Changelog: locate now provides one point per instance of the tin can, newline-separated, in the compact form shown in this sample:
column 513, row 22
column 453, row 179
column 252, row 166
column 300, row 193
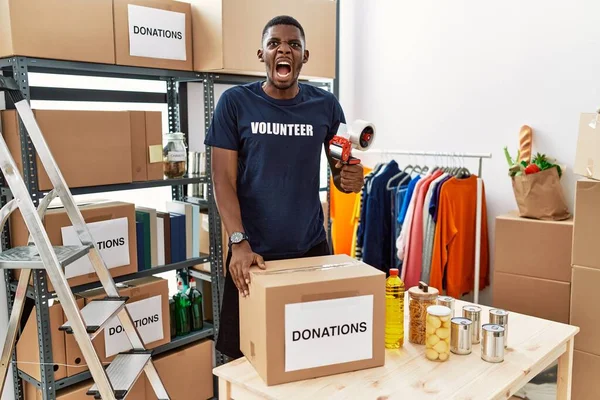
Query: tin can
column 446, row 301
column 461, row 335
column 492, row 348
column 500, row 317
column 474, row 314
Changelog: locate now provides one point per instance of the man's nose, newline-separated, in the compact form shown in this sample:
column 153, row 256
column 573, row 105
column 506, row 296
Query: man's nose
column 284, row 48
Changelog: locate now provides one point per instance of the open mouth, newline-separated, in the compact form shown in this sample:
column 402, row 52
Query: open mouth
column 283, row 69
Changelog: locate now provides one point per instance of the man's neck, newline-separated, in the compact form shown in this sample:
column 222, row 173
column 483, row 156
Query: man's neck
column 281, row 94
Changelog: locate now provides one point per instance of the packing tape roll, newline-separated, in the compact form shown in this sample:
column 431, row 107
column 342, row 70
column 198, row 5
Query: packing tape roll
column 359, row 129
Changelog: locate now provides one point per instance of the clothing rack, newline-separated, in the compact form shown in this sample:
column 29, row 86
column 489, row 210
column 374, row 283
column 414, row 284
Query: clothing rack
column 480, row 156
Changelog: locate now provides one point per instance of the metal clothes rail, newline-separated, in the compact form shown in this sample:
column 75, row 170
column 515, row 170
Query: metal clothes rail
column 480, row 199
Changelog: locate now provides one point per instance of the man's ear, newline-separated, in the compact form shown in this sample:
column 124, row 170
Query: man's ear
column 259, row 54
column 305, row 58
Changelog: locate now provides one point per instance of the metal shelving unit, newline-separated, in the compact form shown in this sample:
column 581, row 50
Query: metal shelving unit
column 20, row 68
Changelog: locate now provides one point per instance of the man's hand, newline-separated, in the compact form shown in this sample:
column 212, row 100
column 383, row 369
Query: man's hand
column 352, row 177
column 242, row 258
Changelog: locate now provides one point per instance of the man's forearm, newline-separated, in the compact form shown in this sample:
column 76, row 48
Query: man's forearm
column 229, row 206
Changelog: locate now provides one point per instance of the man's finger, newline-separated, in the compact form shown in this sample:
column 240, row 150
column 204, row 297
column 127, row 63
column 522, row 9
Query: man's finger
column 243, row 275
column 339, row 164
column 233, row 270
column 260, row 262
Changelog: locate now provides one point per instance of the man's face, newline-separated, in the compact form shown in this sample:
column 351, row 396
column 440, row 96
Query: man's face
column 283, row 54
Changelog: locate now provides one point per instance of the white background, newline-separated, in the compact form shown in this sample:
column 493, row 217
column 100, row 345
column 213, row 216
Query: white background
column 465, row 75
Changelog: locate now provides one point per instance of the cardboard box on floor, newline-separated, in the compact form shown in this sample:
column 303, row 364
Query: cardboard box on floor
column 586, row 230
column 91, row 148
column 84, row 33
column 162, row 34
column 186, row 372
column 227, row 34
column 148, row 305
column 78, row 392
column 586, row 369
column 584, row 298
column 28, row 350
column 56, row 219
column 312, row 317
column 587, row 158
column 146, row 145
column 534, row 248
column 542, row 298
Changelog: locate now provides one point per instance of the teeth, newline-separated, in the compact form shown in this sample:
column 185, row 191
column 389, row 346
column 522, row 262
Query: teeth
column 283, row 63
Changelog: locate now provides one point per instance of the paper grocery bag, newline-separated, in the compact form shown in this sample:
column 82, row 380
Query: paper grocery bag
column 541, row 196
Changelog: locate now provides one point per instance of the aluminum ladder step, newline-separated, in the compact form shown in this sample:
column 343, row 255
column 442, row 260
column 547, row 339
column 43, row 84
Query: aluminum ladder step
column 29, row 257
column 97, row 313
column 123, row 372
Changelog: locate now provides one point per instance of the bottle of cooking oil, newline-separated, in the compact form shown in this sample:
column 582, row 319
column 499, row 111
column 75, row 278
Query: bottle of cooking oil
column 394, row 311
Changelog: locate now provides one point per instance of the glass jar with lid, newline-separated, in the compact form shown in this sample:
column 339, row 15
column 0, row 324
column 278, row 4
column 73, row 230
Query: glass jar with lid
column 421, row 297
column 174, row 155
column 438, row 333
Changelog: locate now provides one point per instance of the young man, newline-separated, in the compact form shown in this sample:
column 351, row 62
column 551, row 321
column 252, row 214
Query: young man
column 267, row 139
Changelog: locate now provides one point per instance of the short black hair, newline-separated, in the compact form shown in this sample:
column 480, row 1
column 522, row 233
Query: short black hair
column 283, row 20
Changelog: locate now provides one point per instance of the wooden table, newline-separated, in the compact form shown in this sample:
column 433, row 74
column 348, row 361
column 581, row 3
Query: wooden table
column 533, row 344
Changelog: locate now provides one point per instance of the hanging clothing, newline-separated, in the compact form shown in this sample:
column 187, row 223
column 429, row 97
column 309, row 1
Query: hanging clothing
column 454, row 243
column 409, row 193
column 360, row 234
column 355, row 218
column 414, row 257
column 407, row 208
column 376, row 249
column 397, row 199
column 429, row 231
column 340, row 209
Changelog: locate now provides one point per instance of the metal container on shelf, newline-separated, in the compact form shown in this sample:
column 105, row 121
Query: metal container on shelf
column 446, row 301
column 461, row 335
column 500, row 317
column 421, row 297
column 474, row 314
column 438, row 333
column 492, row 347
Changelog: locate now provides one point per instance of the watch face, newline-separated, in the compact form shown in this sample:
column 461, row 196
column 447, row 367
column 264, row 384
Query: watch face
column 237, row 237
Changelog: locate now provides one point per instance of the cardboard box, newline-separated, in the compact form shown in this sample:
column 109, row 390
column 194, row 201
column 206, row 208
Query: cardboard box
column 312, row 317
column 535, row 248
column 227, row 34
column 85, row 32
column 146, row 145
column 78, row 392
column 185, row 371
column 145, row 295
column 56, row 219
column 584, row 297
column 587, row 158
column 586, row 230
column 91, row 148
column 586, row 369
column 28, row 351
column 540, row 298
column 162, row 34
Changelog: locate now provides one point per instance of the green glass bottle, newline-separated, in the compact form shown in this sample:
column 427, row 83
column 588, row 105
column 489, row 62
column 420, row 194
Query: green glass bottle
column 196, row 317
column 182, row 310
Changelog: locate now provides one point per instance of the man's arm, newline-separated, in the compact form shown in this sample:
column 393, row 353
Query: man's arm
column 224, row 171
column 346, row 178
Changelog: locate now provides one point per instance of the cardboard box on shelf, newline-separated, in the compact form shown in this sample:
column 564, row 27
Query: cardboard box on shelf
column 148, row 306
column 587, row 158
column 146, row 145
column 78, row 391
column 153, row 33
column 184, row 371
column 227, row 34
column 323, row 315
column 109, row 222
column 586, row 369
column 584, row 297
column 85, row 32
column 91, row 148
column 535, row 248
column 586, row 252
column 537, row 297
column 28, row 352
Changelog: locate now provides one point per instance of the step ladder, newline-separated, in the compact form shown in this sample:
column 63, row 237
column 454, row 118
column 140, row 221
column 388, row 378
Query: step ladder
column 111, row 383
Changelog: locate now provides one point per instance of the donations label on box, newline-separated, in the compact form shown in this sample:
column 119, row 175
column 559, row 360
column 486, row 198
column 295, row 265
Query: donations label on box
column 156, row 33
column 327, row 332
column 147, row 317
column 111, row 237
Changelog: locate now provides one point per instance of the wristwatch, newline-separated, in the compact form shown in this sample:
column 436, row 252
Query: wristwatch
column 236, row 238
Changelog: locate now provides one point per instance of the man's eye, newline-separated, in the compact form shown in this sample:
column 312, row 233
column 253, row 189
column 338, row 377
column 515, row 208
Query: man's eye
column 273, row 43
column 295, row 45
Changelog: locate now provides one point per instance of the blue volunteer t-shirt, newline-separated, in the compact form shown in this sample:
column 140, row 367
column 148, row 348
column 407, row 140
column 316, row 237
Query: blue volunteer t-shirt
column 279, row 145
